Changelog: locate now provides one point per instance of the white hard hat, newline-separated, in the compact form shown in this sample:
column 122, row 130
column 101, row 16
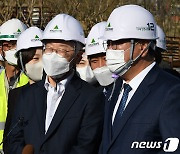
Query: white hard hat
column 130, row 22
column 94, row 43
column 64, row 27
column 11, row 29
column 161, row 38
column 29, row 38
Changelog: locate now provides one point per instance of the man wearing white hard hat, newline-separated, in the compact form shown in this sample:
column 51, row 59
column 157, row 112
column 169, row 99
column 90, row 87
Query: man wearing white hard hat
column 145, row 103
column 29, row 60
column 11, row 77
column 84, row 70
column 61, row 114
column 161, row 47
column 97, row 55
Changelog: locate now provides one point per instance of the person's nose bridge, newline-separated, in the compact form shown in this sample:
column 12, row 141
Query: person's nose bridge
column 102, row 62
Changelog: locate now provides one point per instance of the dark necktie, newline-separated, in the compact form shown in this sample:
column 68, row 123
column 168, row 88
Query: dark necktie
column 120, row 110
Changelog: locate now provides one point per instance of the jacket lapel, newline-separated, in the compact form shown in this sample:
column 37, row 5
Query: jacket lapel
column 68, row 99
column 138, row 97
column 40, row 94
column 109, row 108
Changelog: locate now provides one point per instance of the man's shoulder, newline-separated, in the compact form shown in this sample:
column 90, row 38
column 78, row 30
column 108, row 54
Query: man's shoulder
column 162, row 77
column 38, row 86
column 18, row 90
column 88, row 87
column 85, row 87
column 168, row 78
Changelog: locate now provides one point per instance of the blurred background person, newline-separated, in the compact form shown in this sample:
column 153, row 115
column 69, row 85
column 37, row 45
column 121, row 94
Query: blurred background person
column 84, row 70
column 160, row 48
column 29, row 54
column 96, row 53
column 11, row 77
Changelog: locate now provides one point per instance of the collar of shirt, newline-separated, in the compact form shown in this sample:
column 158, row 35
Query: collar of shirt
column 134, row 83
column 63, row 83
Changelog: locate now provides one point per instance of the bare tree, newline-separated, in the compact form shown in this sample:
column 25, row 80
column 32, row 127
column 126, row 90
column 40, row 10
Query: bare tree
column 6, row 10
column 89, row 12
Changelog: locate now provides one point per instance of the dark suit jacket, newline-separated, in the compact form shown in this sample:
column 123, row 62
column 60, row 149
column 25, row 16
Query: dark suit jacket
column 75, row 128
column 153, row 114
column 13, row 98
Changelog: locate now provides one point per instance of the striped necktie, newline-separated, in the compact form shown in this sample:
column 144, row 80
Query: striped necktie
column 127, row 88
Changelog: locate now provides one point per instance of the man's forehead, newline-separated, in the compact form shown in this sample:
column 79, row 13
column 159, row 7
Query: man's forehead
column 99, row 55
column 59, row 42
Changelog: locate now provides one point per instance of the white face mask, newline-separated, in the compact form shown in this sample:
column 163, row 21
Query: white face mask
column 34, row 71
column 10, row 56
column 116, row 63
column 114, row 59
column 55, row 65
column 103, row 76
column 86, row 74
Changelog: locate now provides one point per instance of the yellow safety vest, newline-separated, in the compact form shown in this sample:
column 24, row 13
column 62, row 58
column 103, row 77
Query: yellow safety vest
column 3, row 99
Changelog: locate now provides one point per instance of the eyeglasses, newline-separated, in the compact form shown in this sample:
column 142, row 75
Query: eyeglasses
column 113, row 44
column 58, row 51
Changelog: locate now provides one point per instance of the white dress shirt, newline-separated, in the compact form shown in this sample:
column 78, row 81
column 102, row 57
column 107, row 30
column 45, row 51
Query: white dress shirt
column 54, row 96
column 134, row 83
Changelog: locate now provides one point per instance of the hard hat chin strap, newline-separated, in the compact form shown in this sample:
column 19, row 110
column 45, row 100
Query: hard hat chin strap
column 21, row 62
column 124, row 68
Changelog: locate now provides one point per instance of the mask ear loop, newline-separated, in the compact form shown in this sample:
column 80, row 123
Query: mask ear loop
column 132, row 49
column 150, row 44
column 131, row 61
column 115, row 75
column 21, row 62
column 113, row 88
column 128, row 64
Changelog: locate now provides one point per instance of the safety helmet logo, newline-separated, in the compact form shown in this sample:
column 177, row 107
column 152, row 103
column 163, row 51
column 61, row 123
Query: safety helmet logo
column 93, row 43
column 109, row 28
column 56, row 29
column 36, row 38
column 17, row 32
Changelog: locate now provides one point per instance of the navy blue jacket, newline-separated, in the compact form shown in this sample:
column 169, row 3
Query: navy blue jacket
column 76, row 126
column 152, row 115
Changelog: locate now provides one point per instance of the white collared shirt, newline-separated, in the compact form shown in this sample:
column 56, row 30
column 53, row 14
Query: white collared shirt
column 134, row 83
column 54, row 96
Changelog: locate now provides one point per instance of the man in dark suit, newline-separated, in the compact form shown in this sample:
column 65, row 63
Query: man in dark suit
column 61, row 114
column 142, row 113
